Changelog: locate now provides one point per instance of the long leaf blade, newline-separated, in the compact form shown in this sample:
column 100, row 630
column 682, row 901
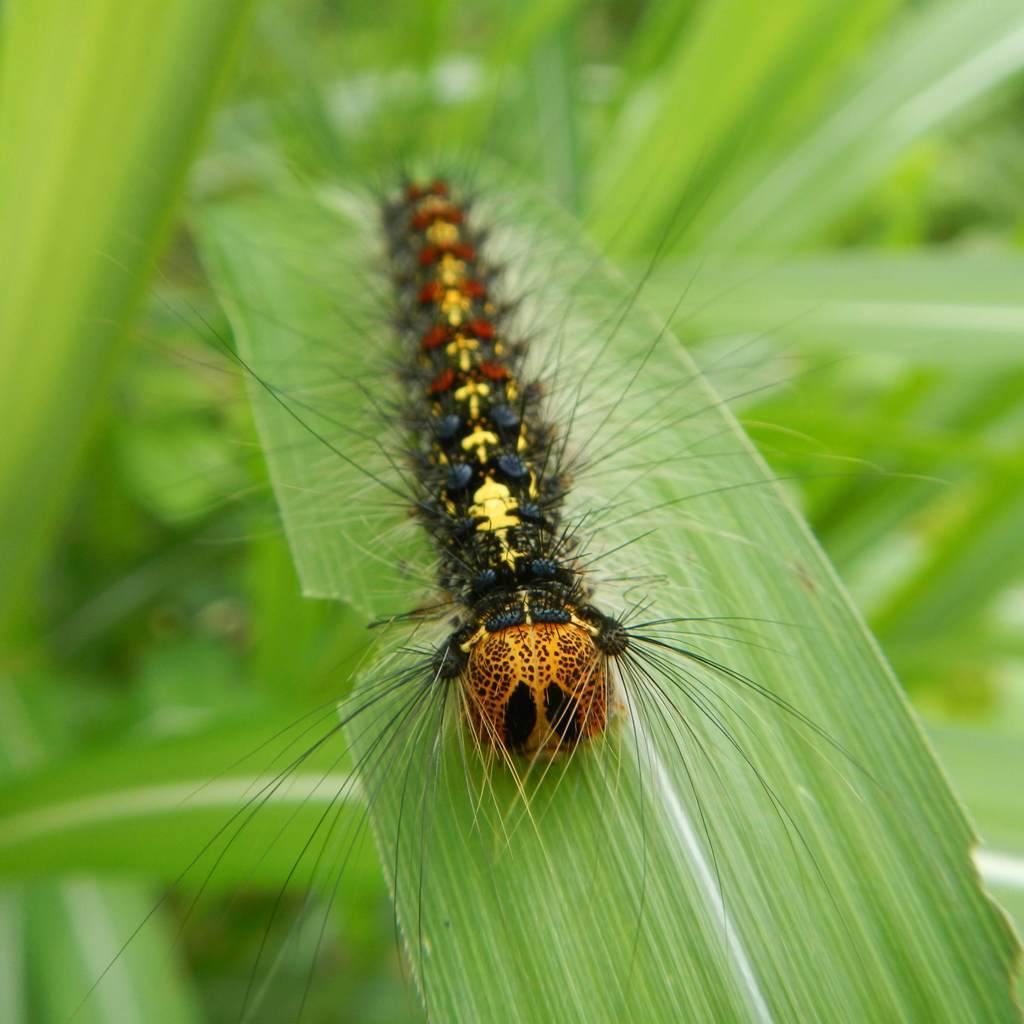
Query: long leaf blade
column 717, row 858
column 102, row 106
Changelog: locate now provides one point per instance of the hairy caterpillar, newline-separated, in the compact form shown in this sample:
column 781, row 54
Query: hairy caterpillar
column 529, row 651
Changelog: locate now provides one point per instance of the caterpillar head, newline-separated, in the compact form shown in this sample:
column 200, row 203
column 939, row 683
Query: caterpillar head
column 536, row 688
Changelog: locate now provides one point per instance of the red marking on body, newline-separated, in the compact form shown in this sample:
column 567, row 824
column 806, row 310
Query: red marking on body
column 474, row 289
column 434, row 338
column 443, row 382
column 413, row 192
column 432, row 253
column 494, row 370
column 438, row 187
column 482, row 328
column 433, row 291
column 424, row 218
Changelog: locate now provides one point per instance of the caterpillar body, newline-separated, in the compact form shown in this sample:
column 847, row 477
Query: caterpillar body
column 529, row 649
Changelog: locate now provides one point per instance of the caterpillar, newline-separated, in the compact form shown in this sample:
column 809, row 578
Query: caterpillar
column 529, row 650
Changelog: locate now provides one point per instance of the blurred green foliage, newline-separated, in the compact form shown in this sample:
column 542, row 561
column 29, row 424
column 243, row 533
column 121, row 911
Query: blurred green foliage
column 862, row 164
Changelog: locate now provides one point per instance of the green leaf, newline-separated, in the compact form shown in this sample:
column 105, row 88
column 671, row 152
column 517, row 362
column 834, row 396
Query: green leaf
column 13, row 998
column 75, row 930
column 211, row 812
column 945, row 57
column 299, row 395
column 986, row 767
column 937, row 307
column 715, row 858
column 103, row 103
column 214, row 809
column 62, row 940
column 985, row 764
column 737, row 81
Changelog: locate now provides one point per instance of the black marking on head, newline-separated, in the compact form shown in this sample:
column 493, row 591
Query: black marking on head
column 561, row 710
column 520, row 717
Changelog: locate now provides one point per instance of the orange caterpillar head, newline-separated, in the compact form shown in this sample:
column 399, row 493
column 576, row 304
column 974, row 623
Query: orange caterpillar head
column 536, row 688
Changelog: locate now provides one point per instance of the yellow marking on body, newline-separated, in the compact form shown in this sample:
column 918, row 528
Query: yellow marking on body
column 432, row 204
column 494, row 503
column 454, row 306
column 451, row 271
column 442, row 233
column 473, row 390
column 463, row 346
column 479, row 439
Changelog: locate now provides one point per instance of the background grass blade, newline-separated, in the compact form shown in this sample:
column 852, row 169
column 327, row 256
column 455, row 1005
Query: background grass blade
column 75, row 931
column 162, row 803
column 878, row 915
column 102, row 106
column 736, row 91
column 931, row 308
column 945, row 57
column 61, row 929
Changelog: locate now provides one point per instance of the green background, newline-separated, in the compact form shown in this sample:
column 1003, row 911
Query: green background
column 827, row 202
